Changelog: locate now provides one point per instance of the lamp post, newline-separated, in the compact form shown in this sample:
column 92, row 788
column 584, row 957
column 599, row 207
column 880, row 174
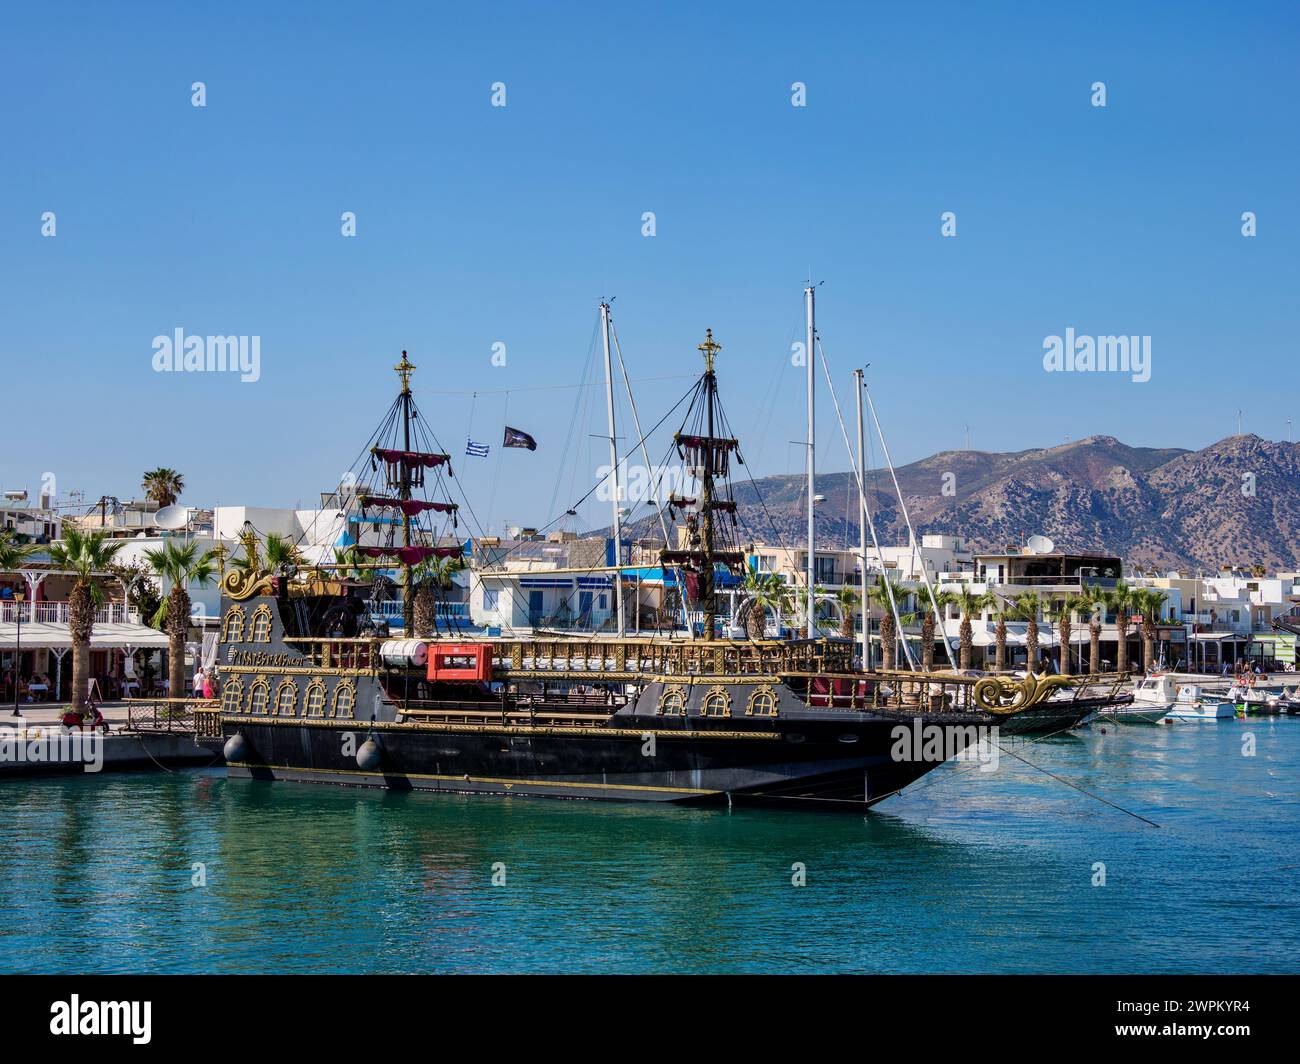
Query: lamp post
column 18, row 648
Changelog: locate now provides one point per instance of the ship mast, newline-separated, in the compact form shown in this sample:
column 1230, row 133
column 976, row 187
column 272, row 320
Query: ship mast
column 710, row 349
column 404, row 370
column 707, row 458
column 809, row 301
column 613, row 474
column 862, row 524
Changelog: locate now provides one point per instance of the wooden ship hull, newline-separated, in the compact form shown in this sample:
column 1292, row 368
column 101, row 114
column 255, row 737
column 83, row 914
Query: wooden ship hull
column 629, row 720
column 313, row 690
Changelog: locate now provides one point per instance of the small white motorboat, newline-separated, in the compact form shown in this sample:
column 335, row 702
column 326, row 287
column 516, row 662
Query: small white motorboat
column 1193, row 704
column 1252, row 701
column 1155, row 699
column 1134, row 713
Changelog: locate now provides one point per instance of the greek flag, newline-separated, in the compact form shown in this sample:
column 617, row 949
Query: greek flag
column 475, row 450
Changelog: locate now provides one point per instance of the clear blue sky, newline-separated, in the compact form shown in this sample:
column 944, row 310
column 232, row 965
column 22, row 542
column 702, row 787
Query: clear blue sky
column 480, row 225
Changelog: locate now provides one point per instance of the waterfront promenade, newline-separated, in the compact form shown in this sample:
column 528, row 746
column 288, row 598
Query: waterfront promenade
column 35, row 744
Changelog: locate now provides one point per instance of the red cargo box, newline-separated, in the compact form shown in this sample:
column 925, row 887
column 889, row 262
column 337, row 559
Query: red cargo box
column 460, row 663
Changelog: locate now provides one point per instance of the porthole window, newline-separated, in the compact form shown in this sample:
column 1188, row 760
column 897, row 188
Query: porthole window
column 232, row 697
column 717, row 703
column 672, row 703
column 762, row 703
column 259, row 695
column 232, row 628
column 260, row 630
column 286, row 699
column 345, row 700
column 314, row 704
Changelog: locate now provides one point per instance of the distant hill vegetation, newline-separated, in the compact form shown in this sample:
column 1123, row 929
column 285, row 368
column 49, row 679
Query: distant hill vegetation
column 1236, row 502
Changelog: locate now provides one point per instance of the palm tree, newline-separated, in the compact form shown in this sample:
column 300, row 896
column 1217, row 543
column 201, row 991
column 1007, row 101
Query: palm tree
column 85, row 555
column 1026, row 606
column 1095, row 602
column 928, row 624
column 348, row 559
column 432, row 576
column 179, row 565
column 1068, row 606
column 1001, row 610
column 764, row 591
column 968, row 603
column 846, row 598
column 163, row 486
column 1150, row 603
column 879, row 595
column 12, row 554
column 1120, row 599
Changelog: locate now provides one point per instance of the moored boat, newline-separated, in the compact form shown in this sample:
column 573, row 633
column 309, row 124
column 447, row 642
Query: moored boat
column 1156, row 698
column 314, row 691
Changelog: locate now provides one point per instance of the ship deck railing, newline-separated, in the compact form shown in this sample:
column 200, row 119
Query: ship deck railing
column 178, row 716
column 932, row 692
column 820, row 668
column 629, row 658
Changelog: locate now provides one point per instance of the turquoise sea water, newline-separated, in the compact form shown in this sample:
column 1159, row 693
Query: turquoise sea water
column 966, row 872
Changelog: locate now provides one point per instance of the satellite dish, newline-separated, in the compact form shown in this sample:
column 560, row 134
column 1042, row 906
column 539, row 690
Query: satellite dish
column 1041, row 545
column 1173, row 574
column 172, row 517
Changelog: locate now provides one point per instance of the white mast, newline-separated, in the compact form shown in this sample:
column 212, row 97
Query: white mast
column 862, row 522
column 911, row 532
column 613, row 472
column 812, row 453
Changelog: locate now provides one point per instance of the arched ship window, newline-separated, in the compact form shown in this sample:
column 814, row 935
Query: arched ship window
column 672, row 703
column 258, row 697
column 232, row 697
column 314, row 702
column 232, row 629
column 345, row 700
column 762, row 703
column 717, row 703
column 286, row 699
column 260, row 631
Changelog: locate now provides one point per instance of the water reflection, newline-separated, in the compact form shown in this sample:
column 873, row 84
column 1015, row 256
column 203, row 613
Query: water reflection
column 967, row 871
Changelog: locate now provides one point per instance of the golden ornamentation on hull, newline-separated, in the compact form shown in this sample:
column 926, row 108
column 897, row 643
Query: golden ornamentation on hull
column 240, row 585
column 997, row 694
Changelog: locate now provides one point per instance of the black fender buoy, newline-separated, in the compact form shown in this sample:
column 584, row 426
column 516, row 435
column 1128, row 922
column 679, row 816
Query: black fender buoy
column 369, row 755
column 236, row 748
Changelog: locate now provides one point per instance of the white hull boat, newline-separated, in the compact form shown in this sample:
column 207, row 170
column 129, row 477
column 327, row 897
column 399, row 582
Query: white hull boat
column 1202, row 709
column 1136, row 713
column 1157, row 695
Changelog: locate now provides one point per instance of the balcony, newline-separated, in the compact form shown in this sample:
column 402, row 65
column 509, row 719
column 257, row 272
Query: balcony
column 391, row 612
column 1074, row 581
column 57, row 613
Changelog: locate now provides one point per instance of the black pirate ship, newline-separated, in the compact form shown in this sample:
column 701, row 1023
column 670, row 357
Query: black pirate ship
column 314, row 691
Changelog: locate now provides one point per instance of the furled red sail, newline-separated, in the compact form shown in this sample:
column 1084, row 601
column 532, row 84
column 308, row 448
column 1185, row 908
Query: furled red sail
column 410, row 507
column 695, row 449
column 411, row 458
column 407, row 464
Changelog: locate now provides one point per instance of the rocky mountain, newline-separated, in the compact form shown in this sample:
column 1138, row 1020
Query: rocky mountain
column 1234, row 502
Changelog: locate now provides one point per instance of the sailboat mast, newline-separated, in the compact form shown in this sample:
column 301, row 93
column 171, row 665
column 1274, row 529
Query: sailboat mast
column 862, row 522
column 710, row 349
column 809, row 301
column 404, row 370
column 613, row 474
